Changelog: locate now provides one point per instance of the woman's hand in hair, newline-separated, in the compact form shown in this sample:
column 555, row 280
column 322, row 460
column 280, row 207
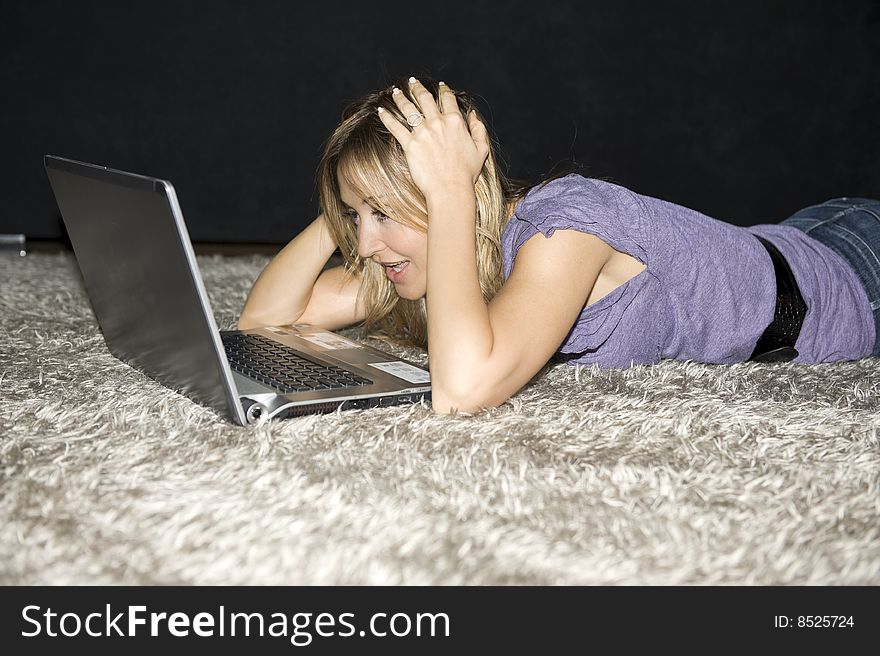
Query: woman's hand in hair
column 446, row 152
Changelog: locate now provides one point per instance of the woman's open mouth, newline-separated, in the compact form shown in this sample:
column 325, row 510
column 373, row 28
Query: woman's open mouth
column 396, row 270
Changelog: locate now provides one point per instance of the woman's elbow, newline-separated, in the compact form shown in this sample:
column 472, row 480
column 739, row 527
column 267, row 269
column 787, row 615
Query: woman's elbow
column 250, row 321
column 471, row 401
column 247, row 323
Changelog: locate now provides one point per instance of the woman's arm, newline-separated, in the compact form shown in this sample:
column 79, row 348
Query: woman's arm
column 292, row 288
column 481, row 355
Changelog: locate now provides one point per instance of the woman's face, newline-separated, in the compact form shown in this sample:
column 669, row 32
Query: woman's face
column 388, row 242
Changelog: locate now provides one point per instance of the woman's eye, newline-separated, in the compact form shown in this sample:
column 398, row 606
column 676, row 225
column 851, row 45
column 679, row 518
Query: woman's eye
column 353, row 216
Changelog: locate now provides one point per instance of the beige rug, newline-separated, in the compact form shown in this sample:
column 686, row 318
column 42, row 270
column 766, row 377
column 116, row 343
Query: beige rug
column 679, row 473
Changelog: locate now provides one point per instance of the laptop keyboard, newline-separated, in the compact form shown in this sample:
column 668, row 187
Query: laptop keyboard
column 280, row 367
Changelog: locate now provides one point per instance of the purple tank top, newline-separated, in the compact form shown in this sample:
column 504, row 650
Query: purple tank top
column 708, row 291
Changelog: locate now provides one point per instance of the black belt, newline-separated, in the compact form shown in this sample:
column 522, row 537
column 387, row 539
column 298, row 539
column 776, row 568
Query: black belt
column 777, row 342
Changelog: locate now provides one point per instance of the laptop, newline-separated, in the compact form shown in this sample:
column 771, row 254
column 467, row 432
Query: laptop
column 140, row 273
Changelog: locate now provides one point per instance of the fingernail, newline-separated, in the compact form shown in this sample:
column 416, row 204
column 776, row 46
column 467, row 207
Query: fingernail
column 412, row 80
column 380, row 110
column 442, row 84
column 395, row 91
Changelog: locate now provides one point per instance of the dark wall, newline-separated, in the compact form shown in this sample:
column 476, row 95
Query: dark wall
column 743, row 110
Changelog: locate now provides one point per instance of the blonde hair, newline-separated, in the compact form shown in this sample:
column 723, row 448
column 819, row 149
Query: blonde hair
column 371, row 160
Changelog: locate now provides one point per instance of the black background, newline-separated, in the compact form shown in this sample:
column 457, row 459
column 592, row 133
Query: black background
column 743, row 110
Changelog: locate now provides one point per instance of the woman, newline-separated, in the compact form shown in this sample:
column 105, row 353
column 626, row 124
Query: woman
column 441, row 251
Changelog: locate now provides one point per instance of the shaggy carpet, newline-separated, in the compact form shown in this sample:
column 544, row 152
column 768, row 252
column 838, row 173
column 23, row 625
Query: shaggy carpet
column 680, row 473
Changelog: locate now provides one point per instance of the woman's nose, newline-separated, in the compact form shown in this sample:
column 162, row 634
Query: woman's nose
column 368, row 243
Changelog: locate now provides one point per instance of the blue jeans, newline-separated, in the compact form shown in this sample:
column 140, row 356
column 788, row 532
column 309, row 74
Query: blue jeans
column 851, row 228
